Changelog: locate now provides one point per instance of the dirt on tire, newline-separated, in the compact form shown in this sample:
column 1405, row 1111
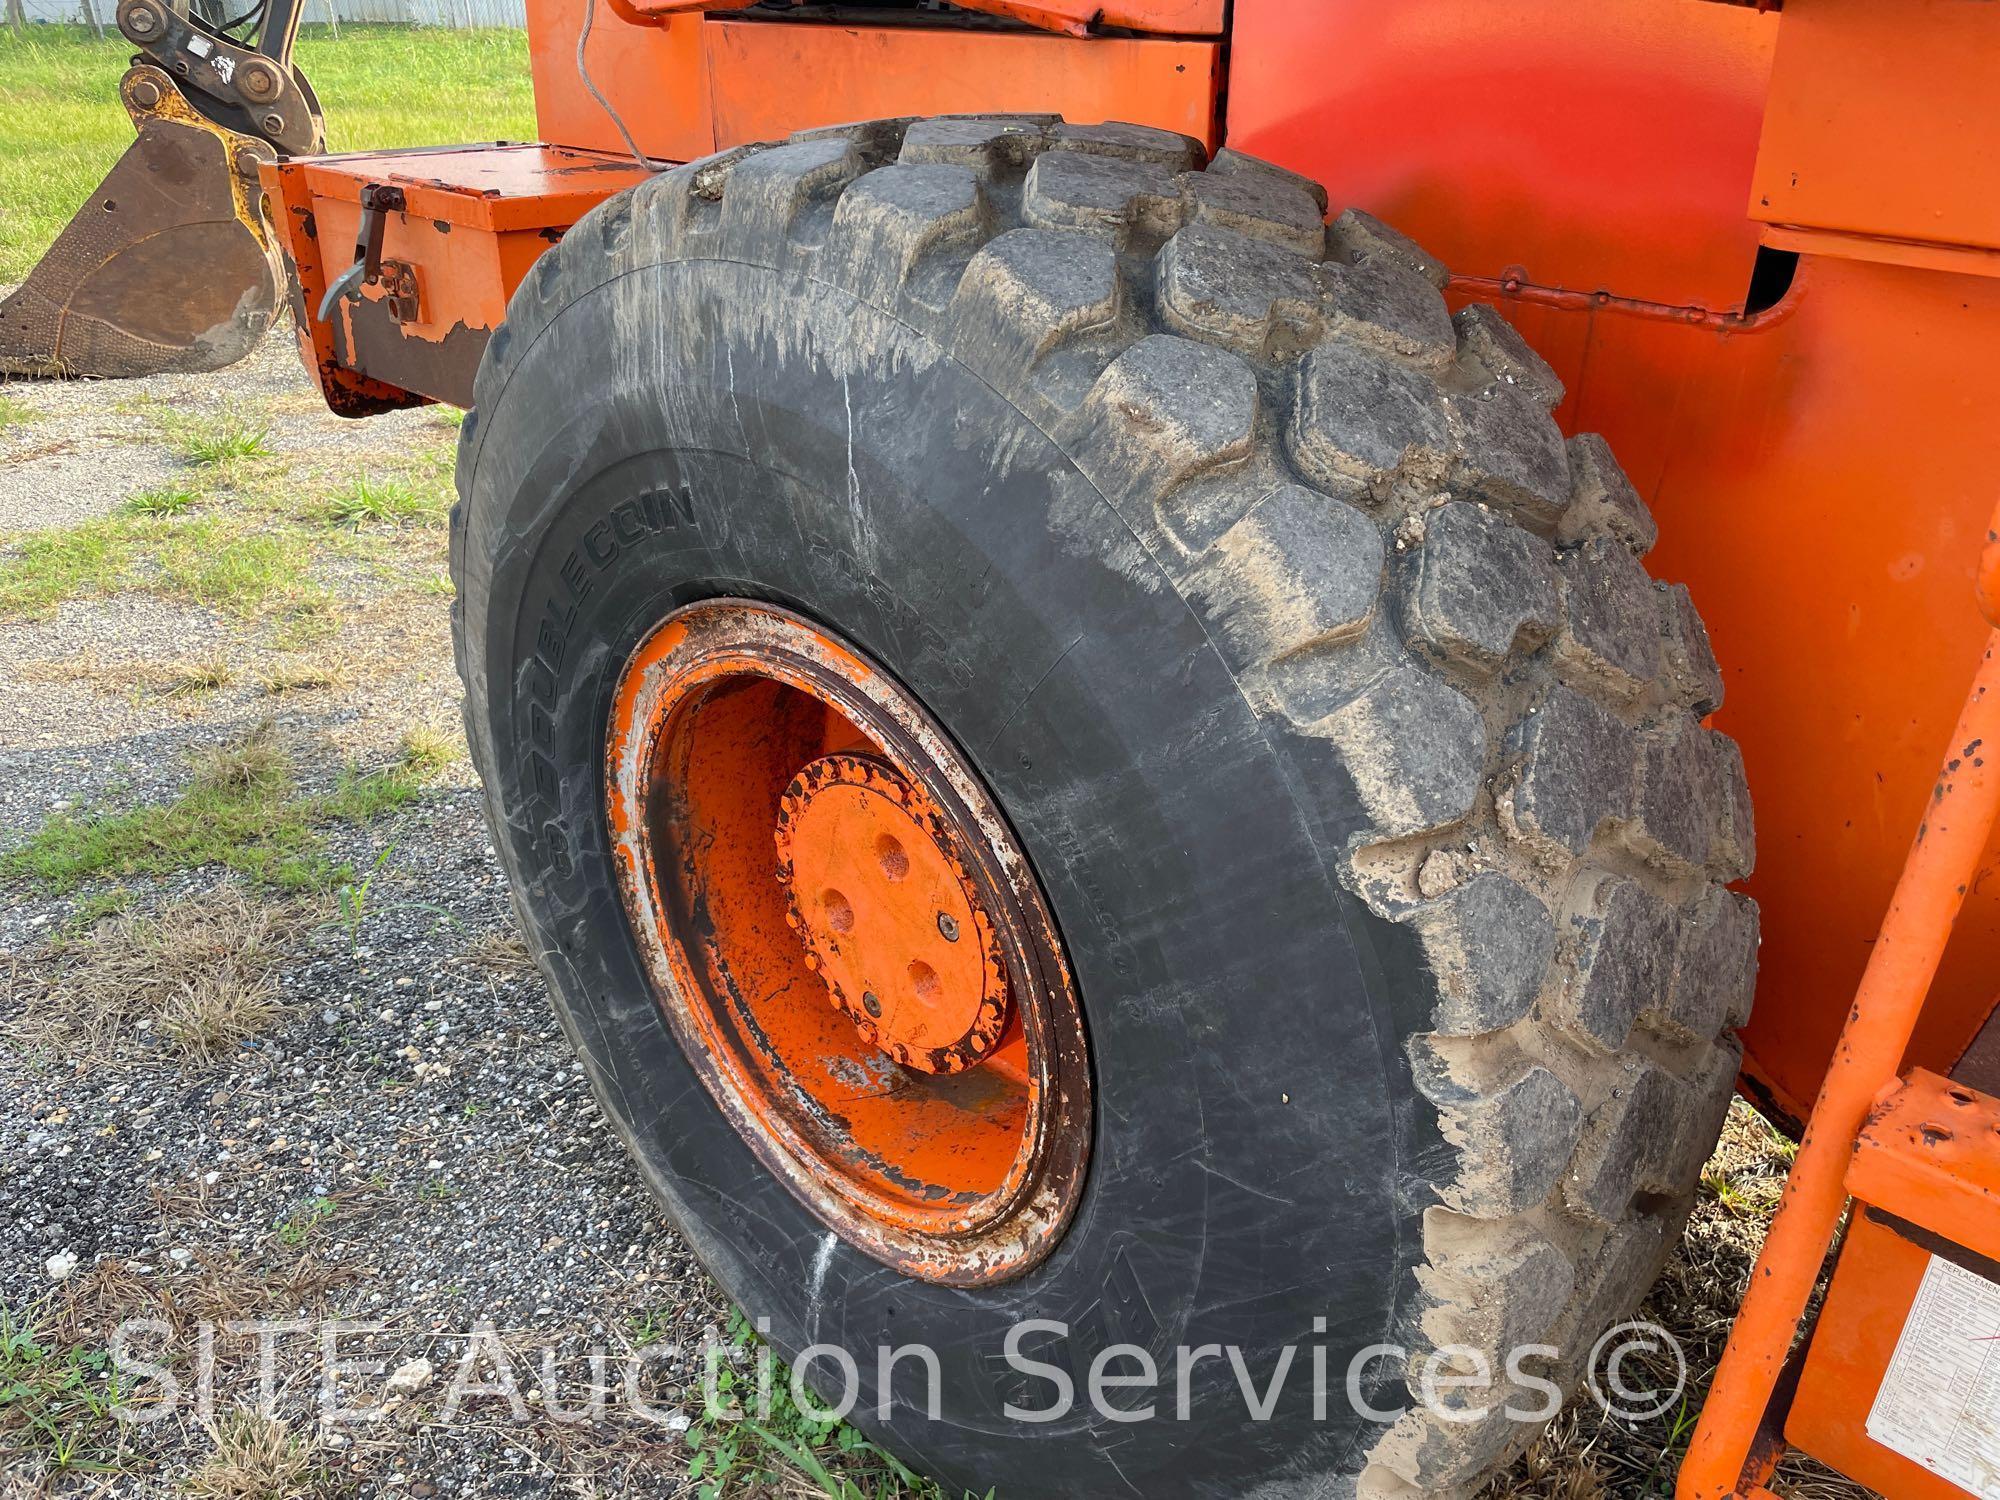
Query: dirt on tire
column 1434, row 607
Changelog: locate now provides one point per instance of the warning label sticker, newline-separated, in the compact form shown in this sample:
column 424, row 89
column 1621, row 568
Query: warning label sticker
column 1939, row 1405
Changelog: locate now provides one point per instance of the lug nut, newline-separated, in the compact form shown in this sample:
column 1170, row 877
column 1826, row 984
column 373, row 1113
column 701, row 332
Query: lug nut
column 948, row 925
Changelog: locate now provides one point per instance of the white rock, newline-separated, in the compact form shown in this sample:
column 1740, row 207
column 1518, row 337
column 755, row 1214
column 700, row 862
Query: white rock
column 409, row 1378
column 60, row 1265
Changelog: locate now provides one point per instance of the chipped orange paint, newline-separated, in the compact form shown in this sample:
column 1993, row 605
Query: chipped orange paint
column 964, row 1176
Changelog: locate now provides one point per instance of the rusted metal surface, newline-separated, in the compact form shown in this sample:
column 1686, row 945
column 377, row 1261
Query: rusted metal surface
column 964, row 1177
column 1514, row 286
column 369, row 335
column 1930, row 1153
column 891, row 914
column 166, row 268
column 455, row 231
column 255, row 89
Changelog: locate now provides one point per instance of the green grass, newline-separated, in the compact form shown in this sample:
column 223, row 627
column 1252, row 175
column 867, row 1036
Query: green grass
column 385, row 502
column 18, row 413
column 215, row 561
column 55, row 1403
column 51, row 566
column 63, row 128
column 218, row 438
column 242, row 812
column 742, row 1451
column 174, row 499
column 297, row 1227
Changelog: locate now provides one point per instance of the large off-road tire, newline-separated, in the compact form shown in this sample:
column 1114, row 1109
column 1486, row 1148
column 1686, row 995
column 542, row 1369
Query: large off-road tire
column 1318, row 676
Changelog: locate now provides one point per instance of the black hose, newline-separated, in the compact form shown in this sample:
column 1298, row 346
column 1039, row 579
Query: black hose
column 583, row 72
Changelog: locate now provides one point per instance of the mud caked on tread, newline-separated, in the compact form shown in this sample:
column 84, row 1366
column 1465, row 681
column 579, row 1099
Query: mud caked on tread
column 1459, row 692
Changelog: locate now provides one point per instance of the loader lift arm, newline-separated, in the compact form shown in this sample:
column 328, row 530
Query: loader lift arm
column 113, row 296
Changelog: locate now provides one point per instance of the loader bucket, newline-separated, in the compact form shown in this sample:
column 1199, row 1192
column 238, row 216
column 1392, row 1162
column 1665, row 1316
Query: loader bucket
column 166, row 268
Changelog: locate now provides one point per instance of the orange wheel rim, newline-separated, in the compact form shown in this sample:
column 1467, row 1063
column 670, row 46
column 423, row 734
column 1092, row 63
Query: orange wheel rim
column 848, row 943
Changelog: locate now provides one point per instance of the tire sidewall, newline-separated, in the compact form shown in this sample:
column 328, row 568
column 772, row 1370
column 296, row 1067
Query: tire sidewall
column 1249, row 1185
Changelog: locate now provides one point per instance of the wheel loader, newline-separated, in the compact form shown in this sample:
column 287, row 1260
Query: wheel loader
column 1092, row 692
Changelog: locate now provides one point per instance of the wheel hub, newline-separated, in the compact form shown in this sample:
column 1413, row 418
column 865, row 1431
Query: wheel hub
column 889, row 914
column 847, row 942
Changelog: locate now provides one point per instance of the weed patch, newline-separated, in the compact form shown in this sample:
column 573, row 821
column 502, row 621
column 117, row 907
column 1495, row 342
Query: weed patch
column 753, row 1446
column 51, row 566
column 199, row 975
column 162, row 500
column 388, row 501
column 242, row 813
column 256, row 1457
column 215, row 439
column 55, row 1402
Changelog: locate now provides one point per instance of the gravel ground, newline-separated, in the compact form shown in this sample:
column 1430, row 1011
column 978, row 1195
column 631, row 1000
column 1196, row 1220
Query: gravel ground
column 406, row 1142
column 411, row 1144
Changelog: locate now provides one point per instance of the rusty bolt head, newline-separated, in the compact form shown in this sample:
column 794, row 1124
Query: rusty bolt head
column 871, row 1004
column 143, row 21
column 948, row 926
column 146, row 93
column 274, row 124
column 258, row 80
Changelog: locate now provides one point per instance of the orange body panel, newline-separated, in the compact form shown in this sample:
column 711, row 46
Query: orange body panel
column 1072, row 17
column 694, row 85
column 655, row 76
column 1863, row 1317
column 836, row 73
column 1877, row 125
column 476, row 219
column 1592, row 143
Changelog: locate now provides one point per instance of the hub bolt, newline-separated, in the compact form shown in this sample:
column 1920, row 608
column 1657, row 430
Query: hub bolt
column 948, row 925
column 871, row 1004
